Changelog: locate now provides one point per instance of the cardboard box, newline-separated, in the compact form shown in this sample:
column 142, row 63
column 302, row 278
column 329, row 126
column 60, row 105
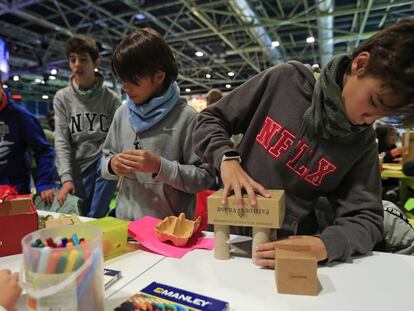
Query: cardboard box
column 408, row 142
column 268, row 213
column 63, row 220
column 18, row 218
column 115, row 235
column 296, row 271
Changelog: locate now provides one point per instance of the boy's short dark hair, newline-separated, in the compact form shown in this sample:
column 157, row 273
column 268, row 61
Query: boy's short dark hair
column 142, row 54
column 391, row 60
column 213, row 96
column 80, row 45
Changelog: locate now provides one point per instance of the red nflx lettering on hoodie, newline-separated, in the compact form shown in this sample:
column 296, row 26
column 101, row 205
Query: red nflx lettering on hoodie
column 272, row 128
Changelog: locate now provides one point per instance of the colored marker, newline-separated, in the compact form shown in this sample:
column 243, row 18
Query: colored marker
column 62, row 263
column 58, row 241
column 64, row 242
column 88, row 274
column 35, row 243
column 43, row 260
column 75, row 240
column 79, row 261
column 50, row 243
column 53, row 262
column 71, row 261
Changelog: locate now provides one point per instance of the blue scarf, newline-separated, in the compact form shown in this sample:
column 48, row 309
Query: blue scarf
column 142, row 117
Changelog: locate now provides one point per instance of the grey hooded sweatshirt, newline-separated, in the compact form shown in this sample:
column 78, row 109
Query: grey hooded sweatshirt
column 82, row 122
column 182, row 173
column 268, row 110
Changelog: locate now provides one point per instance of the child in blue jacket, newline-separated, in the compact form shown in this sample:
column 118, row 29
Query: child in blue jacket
column 19, row 131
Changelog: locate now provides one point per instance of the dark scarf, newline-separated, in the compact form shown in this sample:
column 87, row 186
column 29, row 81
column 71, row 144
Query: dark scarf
column 89, row 93
column 326, row 116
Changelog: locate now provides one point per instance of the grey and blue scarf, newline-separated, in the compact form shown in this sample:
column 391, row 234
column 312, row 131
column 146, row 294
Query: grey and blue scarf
column 143, row 117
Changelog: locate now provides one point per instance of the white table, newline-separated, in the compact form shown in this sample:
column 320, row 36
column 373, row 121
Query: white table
column 378, row 281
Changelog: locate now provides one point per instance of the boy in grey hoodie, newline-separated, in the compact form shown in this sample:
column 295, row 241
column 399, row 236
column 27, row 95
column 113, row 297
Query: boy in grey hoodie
column 314, row 138
column 149, row 143
column 83, row 114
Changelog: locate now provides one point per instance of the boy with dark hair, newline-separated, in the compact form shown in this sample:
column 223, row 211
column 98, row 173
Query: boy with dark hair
column 19, row 132
column 213, row 96
column 83, row 114
column 149, row 142
column 314, row 138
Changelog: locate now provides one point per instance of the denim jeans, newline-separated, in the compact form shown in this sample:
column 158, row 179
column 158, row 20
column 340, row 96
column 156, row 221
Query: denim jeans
column 95, row 191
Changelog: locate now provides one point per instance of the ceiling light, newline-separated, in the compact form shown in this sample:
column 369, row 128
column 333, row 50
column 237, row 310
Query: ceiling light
column 45, row 97
column 208, row 76
column 188, row 90
column 310, row 39
column 199, row 54
column 96, row 70
column 140, row 16
column 228, row 86
column 52, row 78
column 275, row 44
column 16, row 78
column 53, row 71
column 230, row 74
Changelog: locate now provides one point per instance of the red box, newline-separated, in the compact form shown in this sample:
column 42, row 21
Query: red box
column 18, row 217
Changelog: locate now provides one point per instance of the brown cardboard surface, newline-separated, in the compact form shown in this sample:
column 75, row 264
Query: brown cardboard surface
column 268, row 213
column 19, row 205
column 296, row 271
column 408, row 141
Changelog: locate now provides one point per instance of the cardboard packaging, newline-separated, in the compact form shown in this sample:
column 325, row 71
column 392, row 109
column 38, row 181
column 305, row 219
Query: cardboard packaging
column 178, row 230
column 408, row 142
column 115, row 235
column 268, row 213
column 63, row 220
column 296, row 271
column 18, row 218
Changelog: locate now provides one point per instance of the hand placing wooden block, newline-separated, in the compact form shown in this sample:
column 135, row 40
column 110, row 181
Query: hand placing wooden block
column 267, row 214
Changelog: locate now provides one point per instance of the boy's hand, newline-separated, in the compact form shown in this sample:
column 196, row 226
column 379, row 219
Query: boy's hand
column 118, row 167
column 236, row 179
column 47, row 196
column 9, row 289
column 398, row 151
column 67, row 187
column 265, row 253
column 140, row 161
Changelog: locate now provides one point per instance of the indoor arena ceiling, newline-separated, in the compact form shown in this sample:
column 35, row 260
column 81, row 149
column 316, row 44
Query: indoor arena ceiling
column 217, row 43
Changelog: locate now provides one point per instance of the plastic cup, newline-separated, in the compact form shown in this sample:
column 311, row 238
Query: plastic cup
column 66, row 278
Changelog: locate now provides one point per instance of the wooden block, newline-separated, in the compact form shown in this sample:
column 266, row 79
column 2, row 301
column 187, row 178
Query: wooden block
column 296, row 271
column 268, row 213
